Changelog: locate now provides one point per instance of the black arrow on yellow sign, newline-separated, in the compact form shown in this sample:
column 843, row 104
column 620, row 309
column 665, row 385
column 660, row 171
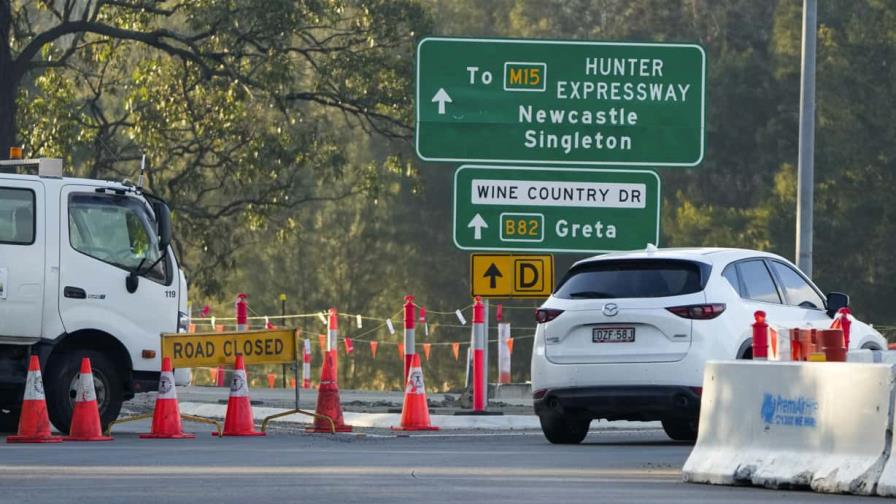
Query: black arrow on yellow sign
column 493, row 273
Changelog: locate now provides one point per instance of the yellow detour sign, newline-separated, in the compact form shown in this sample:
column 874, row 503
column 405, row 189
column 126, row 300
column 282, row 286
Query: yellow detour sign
column 509, row 275
column 215, row 349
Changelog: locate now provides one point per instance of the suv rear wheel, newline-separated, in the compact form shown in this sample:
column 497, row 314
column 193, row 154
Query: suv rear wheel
column 681, row 429
column 564, row 429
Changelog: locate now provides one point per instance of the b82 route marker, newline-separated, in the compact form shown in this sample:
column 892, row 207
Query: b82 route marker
column 555, row 209
column 537, row 101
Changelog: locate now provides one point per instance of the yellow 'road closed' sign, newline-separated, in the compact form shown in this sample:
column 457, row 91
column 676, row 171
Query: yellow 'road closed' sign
column 216, row 349
column 510, row 275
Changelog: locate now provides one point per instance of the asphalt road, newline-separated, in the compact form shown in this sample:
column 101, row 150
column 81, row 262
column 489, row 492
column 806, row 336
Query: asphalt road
column 513, row 467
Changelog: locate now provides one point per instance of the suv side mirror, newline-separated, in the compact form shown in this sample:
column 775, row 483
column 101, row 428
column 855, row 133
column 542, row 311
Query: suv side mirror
column 163, row 217
column 835, row 301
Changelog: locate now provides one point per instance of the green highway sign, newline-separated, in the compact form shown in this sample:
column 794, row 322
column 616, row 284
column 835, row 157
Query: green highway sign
column 538, row 101
column 555, row 209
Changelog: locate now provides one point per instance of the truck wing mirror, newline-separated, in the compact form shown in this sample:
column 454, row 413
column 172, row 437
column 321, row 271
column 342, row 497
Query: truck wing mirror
column 835, row 301
column 163, row 217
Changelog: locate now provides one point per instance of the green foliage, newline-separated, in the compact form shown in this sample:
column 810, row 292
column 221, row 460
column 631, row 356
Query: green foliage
column 280, row 132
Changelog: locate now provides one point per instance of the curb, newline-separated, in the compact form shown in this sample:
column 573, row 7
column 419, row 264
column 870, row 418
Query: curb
column 388, row 420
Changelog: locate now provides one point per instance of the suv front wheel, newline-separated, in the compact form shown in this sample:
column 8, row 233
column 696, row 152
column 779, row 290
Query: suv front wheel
column 564, row 429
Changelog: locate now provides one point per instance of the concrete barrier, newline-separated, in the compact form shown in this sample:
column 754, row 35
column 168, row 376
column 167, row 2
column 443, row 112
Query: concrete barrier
column 775, row 424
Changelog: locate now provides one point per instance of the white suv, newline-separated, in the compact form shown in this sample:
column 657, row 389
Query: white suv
column 625, row 336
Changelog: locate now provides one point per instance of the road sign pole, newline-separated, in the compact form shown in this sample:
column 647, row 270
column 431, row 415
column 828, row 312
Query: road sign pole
column 283, row 324
column 805, row 163
column 295, row 365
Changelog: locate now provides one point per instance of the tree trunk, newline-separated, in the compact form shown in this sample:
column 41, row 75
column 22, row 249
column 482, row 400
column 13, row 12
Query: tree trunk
column 9, row 80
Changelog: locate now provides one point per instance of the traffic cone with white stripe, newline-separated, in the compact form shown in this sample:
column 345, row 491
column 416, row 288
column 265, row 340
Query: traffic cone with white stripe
column 415, row 410
column 328, row 399
column 239, row 420
column 166, row 416
column 34, row 424
column 86, row 414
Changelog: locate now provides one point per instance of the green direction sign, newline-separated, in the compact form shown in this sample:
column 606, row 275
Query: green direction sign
column 555, row 209
column 528, row 101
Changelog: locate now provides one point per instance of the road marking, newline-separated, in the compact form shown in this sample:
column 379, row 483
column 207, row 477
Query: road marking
column 67, row 472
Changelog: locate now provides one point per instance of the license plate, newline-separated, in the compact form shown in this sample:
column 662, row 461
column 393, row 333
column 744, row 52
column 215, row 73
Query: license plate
column 613, row 334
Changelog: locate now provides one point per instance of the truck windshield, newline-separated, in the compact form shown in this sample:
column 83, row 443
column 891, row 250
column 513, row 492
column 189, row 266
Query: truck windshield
column 117, row 230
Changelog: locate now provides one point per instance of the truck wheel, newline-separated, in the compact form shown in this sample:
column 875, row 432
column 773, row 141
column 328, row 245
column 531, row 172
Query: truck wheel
column 681, row 429
column 564, row 429
column 61, row 380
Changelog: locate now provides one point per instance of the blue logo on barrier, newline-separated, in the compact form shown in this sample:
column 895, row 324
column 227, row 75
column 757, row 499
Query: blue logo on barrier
column 796, row 412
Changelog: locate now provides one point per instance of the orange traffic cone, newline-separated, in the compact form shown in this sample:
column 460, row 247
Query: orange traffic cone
column 239, row 421
column 328, row 399
column 34, row 424
column 86, row 415
column 415, row 411
column 166, row 417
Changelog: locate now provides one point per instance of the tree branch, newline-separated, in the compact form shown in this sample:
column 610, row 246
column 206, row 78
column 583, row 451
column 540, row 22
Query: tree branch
column 158, row 39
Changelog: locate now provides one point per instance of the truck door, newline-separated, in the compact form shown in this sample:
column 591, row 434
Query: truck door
column 22, row 258
column 108, row 236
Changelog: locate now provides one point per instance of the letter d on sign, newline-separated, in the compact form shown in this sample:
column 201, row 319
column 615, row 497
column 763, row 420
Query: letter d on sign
column 527, row 276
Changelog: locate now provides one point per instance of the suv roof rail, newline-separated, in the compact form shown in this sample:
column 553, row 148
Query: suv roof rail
column 46, row 167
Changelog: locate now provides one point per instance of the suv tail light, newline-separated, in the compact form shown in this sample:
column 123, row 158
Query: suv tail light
column 698, row 312
column 543, row 315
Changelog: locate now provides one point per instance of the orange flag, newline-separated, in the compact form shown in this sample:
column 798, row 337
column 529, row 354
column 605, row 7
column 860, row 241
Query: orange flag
column 510, row 344
column 401, row 350
column 427, row 347
column 455, row 349
column 322, row 341
column 373, row 345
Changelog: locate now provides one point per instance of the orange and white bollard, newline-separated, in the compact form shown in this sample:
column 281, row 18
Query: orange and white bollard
column 333, row 341
column 478, row 355
column 845, row 324
column 760, row 336
column 409, row 334
column 306, row 365
column 242, row 312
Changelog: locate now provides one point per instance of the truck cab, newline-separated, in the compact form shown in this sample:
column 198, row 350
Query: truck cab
column 86, row 269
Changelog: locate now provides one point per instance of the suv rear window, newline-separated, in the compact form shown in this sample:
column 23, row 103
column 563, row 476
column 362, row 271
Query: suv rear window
column 638, row 278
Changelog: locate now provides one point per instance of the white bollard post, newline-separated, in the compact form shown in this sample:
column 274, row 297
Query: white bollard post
column 306, row 365
column 503, row 352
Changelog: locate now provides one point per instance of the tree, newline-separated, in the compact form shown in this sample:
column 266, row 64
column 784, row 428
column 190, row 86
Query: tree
column 235, row 103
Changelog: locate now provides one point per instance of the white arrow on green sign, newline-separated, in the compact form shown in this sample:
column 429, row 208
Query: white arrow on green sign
column 555, row 209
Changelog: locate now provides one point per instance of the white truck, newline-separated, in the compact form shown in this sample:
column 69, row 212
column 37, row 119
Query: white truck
column 86, row 269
